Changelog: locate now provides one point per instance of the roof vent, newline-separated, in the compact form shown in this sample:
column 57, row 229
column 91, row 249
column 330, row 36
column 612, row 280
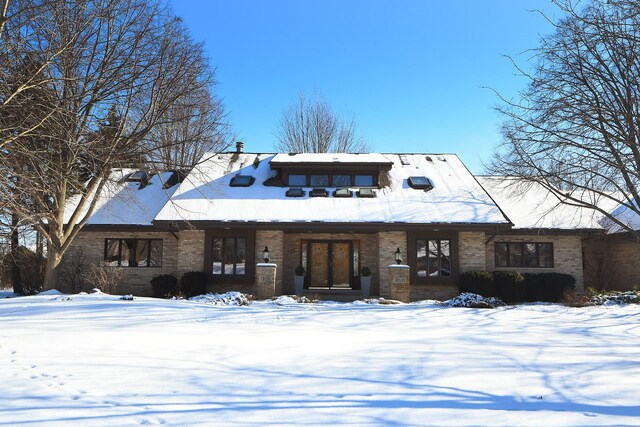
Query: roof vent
column 429, row 159
column 318, row 192
column 442, row 158
column 342, row 192
column 366, row 193
column 295, row 192
column 239, row 147
column 241, row 181
column 420, row 183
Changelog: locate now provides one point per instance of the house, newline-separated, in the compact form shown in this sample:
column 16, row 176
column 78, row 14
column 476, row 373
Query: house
column 332, row 214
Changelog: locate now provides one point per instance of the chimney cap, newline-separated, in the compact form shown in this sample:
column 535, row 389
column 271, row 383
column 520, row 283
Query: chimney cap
column 239, row 146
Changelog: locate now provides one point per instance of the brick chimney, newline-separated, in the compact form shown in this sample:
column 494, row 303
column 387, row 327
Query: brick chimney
column 239, row 146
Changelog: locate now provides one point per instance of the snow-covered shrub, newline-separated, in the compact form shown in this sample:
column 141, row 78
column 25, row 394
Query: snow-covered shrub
column 164, row 286
column 615, row 297
column 471, row 300
column 571, row 299
column 104, row 277
column 228, row 298
column 193, row 283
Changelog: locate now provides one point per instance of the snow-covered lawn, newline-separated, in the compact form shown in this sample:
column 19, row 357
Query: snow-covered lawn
column 98, row 360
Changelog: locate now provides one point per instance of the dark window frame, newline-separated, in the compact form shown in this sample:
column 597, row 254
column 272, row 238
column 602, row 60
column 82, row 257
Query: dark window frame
column 133, row 250
column 411, row 257
column 249, row 276
column 352, row 178
column 523, row 263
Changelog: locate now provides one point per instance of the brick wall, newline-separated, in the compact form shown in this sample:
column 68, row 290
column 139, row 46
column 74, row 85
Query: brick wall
column 190, row 252
column 388, row 242
column 368, row 255
column 89, row 246
column 274, row 240
column 612, row 263
column 567, row 255
column 471, row 251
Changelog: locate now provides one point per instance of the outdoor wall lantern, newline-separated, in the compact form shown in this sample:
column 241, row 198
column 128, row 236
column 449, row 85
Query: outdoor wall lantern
column 398, row 256
column 266, row 255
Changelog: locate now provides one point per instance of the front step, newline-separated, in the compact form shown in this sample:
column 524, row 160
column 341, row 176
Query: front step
column 346, row 295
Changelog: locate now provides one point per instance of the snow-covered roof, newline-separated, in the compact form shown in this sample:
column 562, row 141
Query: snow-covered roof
column 205, row 195
column 293, row 158
column 125, row 203
column 531, row 206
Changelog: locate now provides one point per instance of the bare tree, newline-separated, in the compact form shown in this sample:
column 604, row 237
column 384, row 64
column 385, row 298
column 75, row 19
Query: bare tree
column 195, row 125
column 575, row 129
column 311, row 126
column 82, row 83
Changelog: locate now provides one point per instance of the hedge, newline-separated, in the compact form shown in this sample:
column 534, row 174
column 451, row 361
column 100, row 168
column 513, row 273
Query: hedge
column 511, row 286
column 165, row 285
column 193, row 283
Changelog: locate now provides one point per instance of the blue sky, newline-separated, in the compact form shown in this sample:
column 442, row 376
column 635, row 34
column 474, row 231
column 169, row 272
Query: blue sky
column 411, row 72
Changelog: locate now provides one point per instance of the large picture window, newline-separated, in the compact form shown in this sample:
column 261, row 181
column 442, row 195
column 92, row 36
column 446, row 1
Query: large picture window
column 524, row 254
column 433, row 257
column 229, row 256
column 133, row 252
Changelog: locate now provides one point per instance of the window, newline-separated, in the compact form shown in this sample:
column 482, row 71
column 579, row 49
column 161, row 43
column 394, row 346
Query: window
column 523, row 254
column 433, row 257
column 342, row 192
column 229, row 256
column 341, row 180
column 363, row 181
column 366, row 192
column 296, row 180
column 318, row 180
column 133, row 252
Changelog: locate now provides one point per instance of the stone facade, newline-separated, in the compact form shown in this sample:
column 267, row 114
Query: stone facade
column 274, row 240
column 567, row 255
column 88, row 247
column 388, row 242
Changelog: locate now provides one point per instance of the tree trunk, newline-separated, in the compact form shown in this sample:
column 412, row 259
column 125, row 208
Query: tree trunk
column 54, row 259
column 16, row 277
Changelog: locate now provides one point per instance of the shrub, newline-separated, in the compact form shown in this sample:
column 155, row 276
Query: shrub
column 164, row 286
column 31, row 270
column 299, row 270
column 104, row 277
column 509, row 286
column 571, row 299
column 548, row 287
column 476, row 282
column 366, row 272
column 193, row 283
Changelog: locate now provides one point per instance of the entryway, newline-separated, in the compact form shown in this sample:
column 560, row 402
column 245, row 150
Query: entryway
column 330, row 264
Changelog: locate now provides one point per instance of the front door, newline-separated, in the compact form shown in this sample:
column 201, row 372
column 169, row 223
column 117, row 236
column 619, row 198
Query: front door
column 330, row 264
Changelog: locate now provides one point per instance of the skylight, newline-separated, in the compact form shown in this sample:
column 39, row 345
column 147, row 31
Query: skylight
column 137, row 176
column 241, row 181
column 420, row 183
column 318, row 192
column 342, row 192
column 295, row 192
column 366, row 192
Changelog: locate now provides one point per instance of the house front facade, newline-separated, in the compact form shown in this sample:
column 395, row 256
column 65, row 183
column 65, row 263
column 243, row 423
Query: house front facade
column 332, row 214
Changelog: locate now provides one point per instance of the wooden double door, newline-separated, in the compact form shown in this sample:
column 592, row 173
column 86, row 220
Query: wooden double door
column 330, row 264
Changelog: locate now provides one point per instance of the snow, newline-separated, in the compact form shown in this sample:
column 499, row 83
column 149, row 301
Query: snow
column 205, row 195
column 125, row 203
column 353, row 158
column 531, row 206
column 97, row 360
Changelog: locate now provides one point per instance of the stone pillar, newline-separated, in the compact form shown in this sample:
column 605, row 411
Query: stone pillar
column 265, row 280
column 399, row 282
